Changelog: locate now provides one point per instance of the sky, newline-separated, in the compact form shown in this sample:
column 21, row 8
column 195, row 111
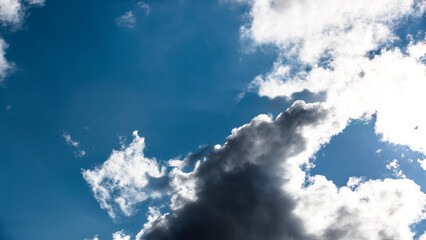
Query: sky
column 223, row 119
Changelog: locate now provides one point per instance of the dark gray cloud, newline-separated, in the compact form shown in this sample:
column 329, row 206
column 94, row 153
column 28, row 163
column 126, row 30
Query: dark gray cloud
column 239, row 186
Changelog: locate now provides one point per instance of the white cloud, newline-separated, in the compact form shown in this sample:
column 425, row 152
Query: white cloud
column 120, row 235
column 78, row 152
column 127, row 20
column 391, row 84
column 394, row 167
column 375, row 209
column 94, row 238
column 12, row 13
column 123, row 180
column 305, row 28
column 5, row 66
column 422, row 163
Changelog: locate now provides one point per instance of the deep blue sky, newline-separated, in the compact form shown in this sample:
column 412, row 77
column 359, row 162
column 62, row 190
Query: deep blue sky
column 175, row 77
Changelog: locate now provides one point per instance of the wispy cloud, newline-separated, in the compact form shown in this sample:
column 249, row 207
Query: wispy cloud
column 145, row 7
column 78, row 152
column 127, row 20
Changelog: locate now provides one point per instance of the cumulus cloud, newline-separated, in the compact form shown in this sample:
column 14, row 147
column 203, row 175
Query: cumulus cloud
column 389, row 84
column 253, row 187
column 122, row 181
column 78, row 152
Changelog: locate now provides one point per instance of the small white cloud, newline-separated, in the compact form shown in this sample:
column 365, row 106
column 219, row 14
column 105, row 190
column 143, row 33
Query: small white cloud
column 422, row 163
column 127, row 20
column 78, row 152
column 120, row 235
column 394, row 167
column 123, row 180
column 94, row 238
column 379, row 150
column 145, row 7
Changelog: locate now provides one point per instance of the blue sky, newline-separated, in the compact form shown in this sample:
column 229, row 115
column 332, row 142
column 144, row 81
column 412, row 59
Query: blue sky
column 175, row 73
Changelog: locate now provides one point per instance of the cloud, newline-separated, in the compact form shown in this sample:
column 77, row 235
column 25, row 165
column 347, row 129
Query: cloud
column 78, row 152
column 145, row 7
column 12, row 13
column 5, row 66
column 305, row 28
column 94, row 238
column 36, row 2
column 422, row 163
column 120, row 235
column 257, row 185
column 389, row 84
column 238, row 186
column 394, row 167
column 122, row 181
column 127, row 20
column 253, row 187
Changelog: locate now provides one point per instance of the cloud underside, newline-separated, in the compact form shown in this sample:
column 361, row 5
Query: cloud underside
column 255, row 185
